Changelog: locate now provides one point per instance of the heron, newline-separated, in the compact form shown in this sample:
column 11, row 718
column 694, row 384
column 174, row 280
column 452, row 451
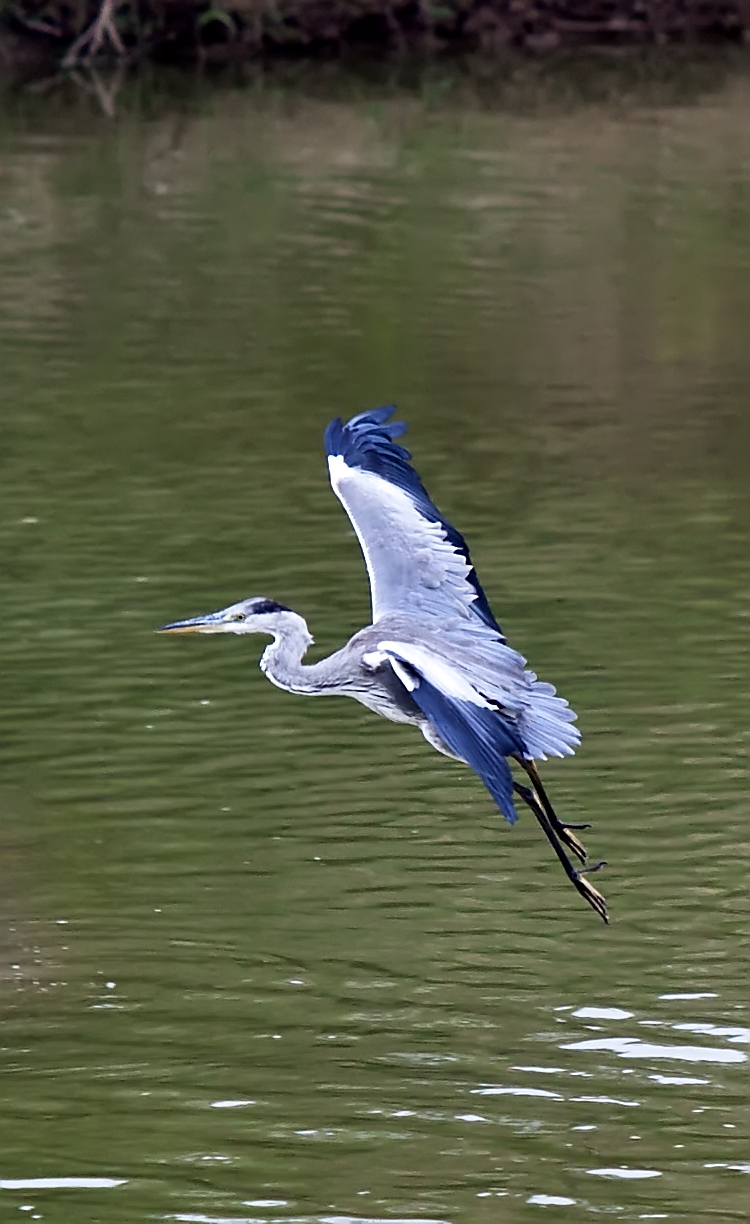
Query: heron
column 434, row 656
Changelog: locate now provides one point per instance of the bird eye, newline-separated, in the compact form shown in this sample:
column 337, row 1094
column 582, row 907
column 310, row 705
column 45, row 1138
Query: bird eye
column 238, row 616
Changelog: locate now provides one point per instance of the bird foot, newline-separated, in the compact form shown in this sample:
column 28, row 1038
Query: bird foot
column 565, row 824
column 559, row 833
column 591, row 894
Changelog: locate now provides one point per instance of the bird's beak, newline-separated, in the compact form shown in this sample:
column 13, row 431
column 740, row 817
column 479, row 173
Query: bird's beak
column 196, row 624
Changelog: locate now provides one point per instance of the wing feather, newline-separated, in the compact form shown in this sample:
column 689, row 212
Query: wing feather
column 416, row 560
column 473, row 729
column 545, row 720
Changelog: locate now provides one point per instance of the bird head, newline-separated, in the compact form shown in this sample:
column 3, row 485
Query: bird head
column 257, row 615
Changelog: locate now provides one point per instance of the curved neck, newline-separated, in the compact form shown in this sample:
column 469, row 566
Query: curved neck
column 282, row 660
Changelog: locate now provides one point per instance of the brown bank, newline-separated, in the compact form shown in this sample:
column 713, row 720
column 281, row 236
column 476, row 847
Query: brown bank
column 81, row 30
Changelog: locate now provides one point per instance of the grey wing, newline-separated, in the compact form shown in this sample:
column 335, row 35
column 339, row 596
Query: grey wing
column 416, row 560
column 544, row 719
column 495, row 673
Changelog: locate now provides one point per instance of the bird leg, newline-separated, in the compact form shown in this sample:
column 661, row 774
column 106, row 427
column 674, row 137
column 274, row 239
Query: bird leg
column 576, row 875
column 563, row 830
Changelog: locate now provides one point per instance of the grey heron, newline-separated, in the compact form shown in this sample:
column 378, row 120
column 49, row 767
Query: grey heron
column 434, row 655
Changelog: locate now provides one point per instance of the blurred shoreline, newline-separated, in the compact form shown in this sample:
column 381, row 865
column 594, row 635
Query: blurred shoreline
column 232, row 30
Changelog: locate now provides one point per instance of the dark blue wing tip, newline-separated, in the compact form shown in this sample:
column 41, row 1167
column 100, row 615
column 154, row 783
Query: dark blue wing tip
column 368, row 432
column 377, row 416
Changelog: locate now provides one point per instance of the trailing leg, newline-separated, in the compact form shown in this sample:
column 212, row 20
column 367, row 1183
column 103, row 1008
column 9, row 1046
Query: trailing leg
column 577, row 876
column 563, row 830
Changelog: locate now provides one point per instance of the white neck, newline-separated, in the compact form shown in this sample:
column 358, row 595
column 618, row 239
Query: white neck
column 282, row 660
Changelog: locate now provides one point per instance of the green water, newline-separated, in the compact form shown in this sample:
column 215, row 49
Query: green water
column 273, row 959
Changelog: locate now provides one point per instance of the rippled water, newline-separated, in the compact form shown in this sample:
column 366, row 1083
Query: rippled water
column 269, row 959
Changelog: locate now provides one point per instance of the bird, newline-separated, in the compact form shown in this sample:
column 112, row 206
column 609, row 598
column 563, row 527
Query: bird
column 434, row 656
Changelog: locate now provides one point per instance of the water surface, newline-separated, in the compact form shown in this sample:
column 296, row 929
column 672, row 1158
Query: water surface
column 273, row 959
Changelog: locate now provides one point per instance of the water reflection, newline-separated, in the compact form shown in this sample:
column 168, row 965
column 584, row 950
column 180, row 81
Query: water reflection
column 61, row 1183
column 624, row 1173
column 322, row 1219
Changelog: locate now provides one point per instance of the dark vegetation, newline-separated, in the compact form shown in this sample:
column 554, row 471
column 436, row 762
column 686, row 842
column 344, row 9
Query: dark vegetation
column 77, row 30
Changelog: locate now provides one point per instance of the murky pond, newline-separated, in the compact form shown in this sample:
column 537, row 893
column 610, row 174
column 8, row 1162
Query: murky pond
column 268, row 959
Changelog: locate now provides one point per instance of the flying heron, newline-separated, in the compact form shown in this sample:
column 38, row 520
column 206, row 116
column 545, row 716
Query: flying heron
column 434, row 655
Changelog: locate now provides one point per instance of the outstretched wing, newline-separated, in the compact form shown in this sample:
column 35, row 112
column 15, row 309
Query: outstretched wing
column 420, row 566
column 416, row 561
column 469, row 725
